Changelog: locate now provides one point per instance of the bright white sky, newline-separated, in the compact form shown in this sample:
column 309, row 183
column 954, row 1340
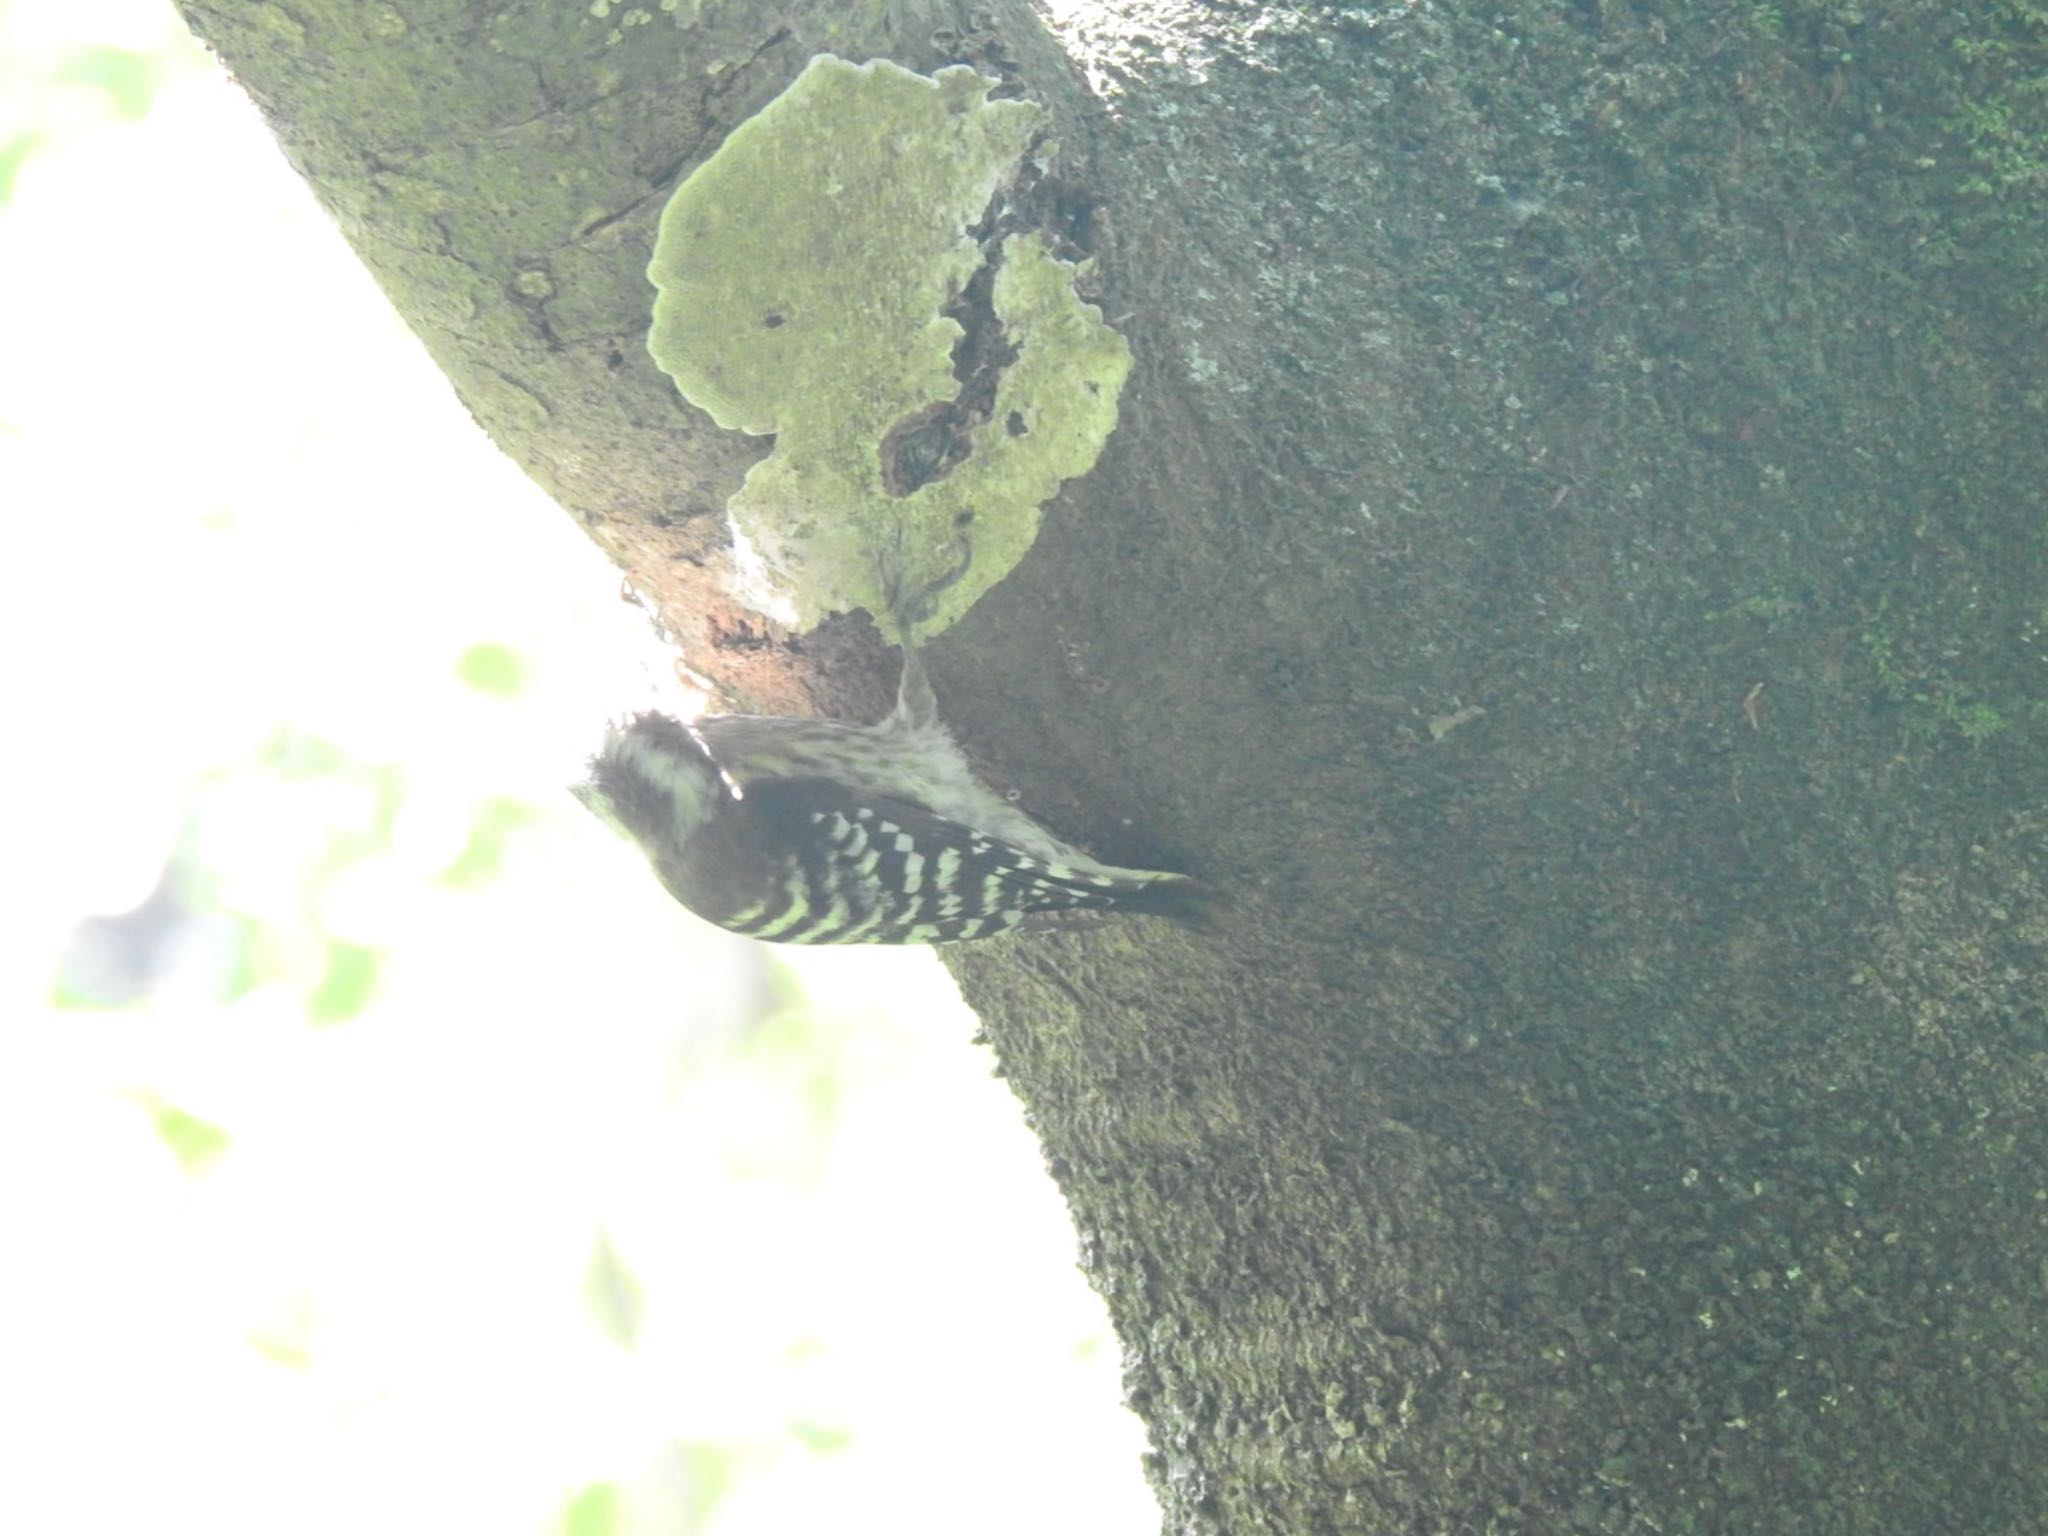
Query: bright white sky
column 239, row 500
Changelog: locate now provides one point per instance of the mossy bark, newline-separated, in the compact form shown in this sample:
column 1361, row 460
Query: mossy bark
column 1572, row 572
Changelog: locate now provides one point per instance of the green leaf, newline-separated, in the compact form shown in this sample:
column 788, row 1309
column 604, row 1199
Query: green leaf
column 821, row 1439
column 197, row 1144
column 493, row 669
column 483, row 856
column 287, row 1340
column 14, row 152
column 706, row 1478
column 300, row 755
column 129, row 80
column 593, row 1512
column 344, row 991
column 614, row 1293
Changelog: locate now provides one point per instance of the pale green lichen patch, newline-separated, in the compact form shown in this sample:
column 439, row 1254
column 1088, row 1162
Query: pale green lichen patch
column 805, row 274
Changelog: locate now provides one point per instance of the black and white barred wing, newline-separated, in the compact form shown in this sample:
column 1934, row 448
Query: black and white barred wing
column 888, row 871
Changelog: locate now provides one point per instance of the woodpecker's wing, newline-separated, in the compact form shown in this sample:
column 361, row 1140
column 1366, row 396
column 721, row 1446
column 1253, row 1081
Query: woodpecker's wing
column 880, row 870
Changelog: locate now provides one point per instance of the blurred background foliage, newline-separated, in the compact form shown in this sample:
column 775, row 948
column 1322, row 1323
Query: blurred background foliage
column 383, row 1150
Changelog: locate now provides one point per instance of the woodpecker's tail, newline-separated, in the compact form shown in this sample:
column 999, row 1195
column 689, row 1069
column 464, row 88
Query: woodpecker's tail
column 1075, row 904
column 1182, row 898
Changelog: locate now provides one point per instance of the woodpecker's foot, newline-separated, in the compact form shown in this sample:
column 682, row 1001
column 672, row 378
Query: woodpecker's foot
column 910, row 609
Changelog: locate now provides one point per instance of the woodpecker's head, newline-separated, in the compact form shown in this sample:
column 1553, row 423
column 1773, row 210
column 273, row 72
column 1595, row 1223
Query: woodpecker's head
column 654, row 780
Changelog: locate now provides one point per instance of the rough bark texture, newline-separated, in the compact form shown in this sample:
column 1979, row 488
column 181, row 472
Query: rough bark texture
column 1573, row 571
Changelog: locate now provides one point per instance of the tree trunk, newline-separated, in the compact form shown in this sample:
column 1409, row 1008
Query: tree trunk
column 1572, row 573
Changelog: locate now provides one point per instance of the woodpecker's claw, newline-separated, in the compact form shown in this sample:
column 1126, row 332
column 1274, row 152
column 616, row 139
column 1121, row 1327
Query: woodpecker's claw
column 908, row 610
